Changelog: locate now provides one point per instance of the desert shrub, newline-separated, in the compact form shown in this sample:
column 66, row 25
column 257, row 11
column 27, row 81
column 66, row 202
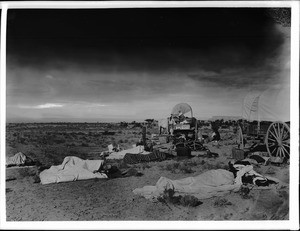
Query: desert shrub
column 176, row 165
column 145, row 165
column 84, row 144
column 186, row 200
column 25, row 172
column 186, row 169
column 36, row 179
column 219, row 166
column 59, row 141
column 53, row 158
column 190, row 200
column 92, row 145
column 180, row 167
column 244, row 192
column 191, row 163
column 107, row 133
column 74, row 152
column 221, row 202
column 172, row 166
column 207, row 166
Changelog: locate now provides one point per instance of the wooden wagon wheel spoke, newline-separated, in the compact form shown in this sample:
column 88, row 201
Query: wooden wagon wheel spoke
column 277, row 140
column 287, row 154
column 283, row 132
column 278, row 153
column 273, row 135
column 273, row 150
column 286, row 145
column 271, row 139
column 286, row 135
column 284, row 152
column 281, row 152
column 279, row 130
column 275, row 130
column 284, row 149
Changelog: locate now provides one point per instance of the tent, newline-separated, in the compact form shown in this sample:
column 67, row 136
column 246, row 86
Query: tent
column 272, row 104
column 183, row 108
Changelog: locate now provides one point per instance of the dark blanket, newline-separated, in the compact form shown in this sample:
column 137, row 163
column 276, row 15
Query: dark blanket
column 140, row 158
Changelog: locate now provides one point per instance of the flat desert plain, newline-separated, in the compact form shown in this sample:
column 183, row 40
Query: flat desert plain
column 113, row 199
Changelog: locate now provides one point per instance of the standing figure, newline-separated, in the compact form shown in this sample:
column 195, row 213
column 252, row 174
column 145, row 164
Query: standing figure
column 171, row 124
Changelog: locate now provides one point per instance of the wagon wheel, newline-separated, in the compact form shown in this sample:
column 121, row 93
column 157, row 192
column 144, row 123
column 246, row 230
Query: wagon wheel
column 278, row 140
column 240, row 138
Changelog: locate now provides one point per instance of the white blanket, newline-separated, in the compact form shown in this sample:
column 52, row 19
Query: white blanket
column 121, row 154
column 206, row 185
column 17, row 159
column 72, row 169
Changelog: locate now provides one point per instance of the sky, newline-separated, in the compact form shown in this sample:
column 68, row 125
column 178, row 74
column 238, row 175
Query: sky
column 134, row 64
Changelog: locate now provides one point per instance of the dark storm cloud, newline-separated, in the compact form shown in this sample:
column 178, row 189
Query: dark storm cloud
column 142, row 39
column 240, row 78
column 98, row 63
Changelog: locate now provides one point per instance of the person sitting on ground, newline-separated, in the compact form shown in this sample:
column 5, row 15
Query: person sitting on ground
column 140, row 142
column 200, row 136
column 216, row 135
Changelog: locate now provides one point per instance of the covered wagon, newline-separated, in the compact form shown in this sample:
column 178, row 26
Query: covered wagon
column 268, row 114
column 182, row 123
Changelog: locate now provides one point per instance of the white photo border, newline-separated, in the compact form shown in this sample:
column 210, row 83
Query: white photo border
column 293, row 223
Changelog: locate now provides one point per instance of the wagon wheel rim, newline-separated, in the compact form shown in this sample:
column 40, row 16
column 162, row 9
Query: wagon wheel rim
column 278, row 140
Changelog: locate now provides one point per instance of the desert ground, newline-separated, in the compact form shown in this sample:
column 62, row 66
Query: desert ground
column 113, row 199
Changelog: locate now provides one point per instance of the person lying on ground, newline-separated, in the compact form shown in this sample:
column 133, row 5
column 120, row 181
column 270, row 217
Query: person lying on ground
column 112, row 171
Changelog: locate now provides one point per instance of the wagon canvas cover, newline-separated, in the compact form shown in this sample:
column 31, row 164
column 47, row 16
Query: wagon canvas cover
column 272, row 104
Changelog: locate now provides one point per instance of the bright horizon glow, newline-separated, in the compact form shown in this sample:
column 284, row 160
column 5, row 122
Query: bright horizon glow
column 42, row 106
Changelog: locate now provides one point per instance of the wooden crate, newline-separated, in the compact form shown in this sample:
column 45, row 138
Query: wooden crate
column 238, row 154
